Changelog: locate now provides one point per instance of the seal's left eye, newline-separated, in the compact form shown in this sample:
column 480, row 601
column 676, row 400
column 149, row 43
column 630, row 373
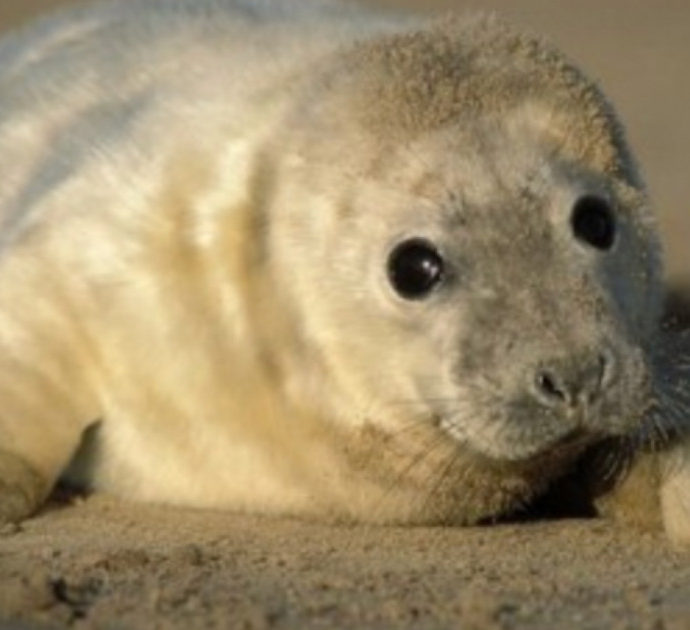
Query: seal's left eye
column 414, row 268
column 593, row 222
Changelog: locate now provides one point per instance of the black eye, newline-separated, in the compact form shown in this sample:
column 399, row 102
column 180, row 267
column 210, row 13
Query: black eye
column 414, row 268
column 593, row 222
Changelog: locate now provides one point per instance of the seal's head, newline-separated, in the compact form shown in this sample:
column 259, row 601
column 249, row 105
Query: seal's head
column 469, row 249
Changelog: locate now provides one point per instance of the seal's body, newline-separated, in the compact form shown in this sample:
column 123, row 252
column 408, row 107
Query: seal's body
column 290, row 256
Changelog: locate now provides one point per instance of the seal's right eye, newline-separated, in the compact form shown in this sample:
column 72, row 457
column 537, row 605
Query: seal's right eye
column 593, row 222
column 415, row 268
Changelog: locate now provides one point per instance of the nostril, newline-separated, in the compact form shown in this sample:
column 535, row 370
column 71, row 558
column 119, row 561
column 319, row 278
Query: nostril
column 548, row 387
column 571, row 382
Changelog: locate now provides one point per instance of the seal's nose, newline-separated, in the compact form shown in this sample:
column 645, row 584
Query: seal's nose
column 573, row 381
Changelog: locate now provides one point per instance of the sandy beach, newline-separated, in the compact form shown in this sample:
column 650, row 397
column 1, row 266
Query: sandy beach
column 99, row 562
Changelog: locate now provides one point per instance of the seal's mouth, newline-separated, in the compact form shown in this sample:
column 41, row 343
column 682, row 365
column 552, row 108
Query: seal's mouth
column 521, row 435
column 568, row 446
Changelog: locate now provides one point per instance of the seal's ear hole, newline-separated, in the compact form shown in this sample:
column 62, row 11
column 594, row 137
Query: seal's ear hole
column 415, row 268
column 593, row 222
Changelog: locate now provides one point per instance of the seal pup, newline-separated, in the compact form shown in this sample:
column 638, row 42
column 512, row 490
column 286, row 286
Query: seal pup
column 296, row 257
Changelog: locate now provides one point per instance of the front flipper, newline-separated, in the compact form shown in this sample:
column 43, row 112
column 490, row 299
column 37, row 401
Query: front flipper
column 652, row 494
column 630, row 495
column 651, row 485
column 675, row 494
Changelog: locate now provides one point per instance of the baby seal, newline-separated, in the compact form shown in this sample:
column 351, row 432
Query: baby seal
column 294, row 257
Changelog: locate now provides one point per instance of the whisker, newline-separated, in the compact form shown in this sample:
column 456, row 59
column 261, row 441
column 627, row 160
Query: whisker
column 404, row 473
column 438, row 476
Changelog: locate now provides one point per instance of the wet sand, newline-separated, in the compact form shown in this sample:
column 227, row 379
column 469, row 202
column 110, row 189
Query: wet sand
column 109, row 564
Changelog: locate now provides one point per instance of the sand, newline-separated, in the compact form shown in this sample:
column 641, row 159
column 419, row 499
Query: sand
column 100, row 562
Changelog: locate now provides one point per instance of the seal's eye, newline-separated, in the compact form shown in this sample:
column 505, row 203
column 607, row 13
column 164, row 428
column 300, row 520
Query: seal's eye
column 593, row 222
column 415, row 268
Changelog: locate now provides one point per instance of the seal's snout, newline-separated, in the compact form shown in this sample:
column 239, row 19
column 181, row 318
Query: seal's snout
column 573, row 382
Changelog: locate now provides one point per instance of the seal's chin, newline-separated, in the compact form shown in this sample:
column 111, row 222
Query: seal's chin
column 565, row 448
column 552, row 454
